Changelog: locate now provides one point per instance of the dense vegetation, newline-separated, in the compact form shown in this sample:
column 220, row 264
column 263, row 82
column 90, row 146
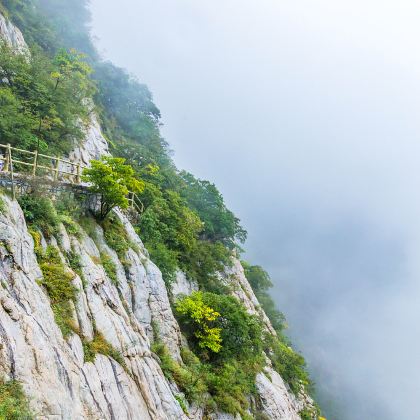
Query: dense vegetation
column 42, row 100
column 14, row 405
column 226, row 352
column 45, row 100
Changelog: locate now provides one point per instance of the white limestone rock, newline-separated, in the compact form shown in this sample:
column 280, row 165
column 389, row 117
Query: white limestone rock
column 52, row 370
column 93, row 146
column 183, row 286
column 12, row 35
column 276, row 400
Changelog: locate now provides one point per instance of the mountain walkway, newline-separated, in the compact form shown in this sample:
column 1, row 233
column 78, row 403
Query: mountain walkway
column 20, row 167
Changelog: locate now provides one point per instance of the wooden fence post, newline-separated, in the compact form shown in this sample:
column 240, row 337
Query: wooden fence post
column 7, row 163
column 35, row 163
column 9, row 150
column 57, row 162
column 78, row 174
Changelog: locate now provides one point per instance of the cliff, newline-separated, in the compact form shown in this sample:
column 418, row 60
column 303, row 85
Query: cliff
column 128, row 312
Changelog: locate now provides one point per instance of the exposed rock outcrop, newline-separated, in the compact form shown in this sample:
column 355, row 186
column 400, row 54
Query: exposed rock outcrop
column 94, row 145
column 52, row 369
column 12, row 35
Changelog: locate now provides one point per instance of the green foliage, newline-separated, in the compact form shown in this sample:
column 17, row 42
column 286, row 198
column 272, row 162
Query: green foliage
column 110, row 268
column 71, row 226
column 74, row 261
column 190, row 376
column 260, row 282
column 167, row 220
column 181, row 402
column 14, row 404
column 39, row 212
column 165, row 259
column 220, row 224
column 66, row 204
column 230, row 386
column 42, row 99
column 58, row 283
column 2, row 205
column 116, row 236
column 99, row 345
column 88, row 224
column 200, row 318
column 15, row 121
column 171, row 232
column 227, row 370
column 112, row 180
column 290, row 365
column 233, row 333
column 223, row 388
column 242, row 334
column 286, row 361
column 204, row 262
column 311, row 413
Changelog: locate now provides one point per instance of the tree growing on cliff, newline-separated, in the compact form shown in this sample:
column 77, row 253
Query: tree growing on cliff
column 112, row 180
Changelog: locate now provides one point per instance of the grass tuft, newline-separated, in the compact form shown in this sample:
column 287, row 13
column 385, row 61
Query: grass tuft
column 58, row 283
column 14, row 405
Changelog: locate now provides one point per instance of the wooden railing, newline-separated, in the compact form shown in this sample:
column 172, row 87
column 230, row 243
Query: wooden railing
column 19, row 161
column 37, row 162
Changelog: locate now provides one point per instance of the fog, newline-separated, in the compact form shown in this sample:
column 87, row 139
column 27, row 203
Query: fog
column 306, row 116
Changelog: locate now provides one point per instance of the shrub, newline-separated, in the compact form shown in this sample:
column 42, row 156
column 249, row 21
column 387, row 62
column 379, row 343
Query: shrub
column 260, row 282
column 116, row 236
column 229, row 373
column 73, row 259
column 88, row 224
column 311, row 413
column 14, row 404
column 204, row 262
column 110, row 268
column 71, row 226
column 58, row 283
column 240, row 333
column 2, row 205
column 200, row 319
column 220, row 224
column 289, row 364
column 42, row 99
column 190, row 378
column 36, row 236
column 181, row 402
column 39, row 212
column 99, row 345
column 68, row 205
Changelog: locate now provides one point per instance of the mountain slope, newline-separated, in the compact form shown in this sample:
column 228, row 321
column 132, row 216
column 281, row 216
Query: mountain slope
column 106, row 368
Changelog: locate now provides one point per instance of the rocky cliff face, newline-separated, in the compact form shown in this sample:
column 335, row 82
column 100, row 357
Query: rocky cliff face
column 12, row 35
column 53, row 370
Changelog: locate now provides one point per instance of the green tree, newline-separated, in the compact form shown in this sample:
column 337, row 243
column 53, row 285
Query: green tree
column 260, row 282
column 220, row 224
column 49, row 95
column 200, row 319
column 15, row 121
column 112, row 180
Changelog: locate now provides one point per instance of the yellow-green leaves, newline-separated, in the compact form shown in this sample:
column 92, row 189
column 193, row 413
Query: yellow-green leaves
column 112, row 180
column 202, row 316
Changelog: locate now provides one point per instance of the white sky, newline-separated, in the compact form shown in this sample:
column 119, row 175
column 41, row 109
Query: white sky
column 306, row 115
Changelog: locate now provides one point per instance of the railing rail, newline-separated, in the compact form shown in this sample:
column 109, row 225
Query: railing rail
column 57, row 167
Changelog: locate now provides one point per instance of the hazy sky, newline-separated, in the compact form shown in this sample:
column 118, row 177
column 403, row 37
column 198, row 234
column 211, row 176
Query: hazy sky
column 306, row 115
